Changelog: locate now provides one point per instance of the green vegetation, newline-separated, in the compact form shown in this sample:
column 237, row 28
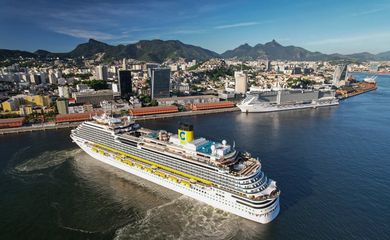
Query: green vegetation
column 241, row 66
column 11, row 115
column 194, row 67
column 215, row 74
column 299, row 82
column 95, row 84
column 147, row 101
column 83, row 76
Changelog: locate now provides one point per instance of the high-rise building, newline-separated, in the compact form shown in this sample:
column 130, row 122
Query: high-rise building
column 101, row 72
column 124, row 67
column 62, row 106
column 150, row 66
column 35, row 79
column 340, row 74
column 43, row 77
column 63, row 91
column 124, row 83
column 241, row 79
column 52, row 78
column 160, row 82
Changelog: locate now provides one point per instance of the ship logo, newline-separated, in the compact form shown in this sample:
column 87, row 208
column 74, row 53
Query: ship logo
column 182, row 136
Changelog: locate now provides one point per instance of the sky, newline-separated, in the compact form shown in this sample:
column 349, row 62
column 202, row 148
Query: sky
column 342, row 26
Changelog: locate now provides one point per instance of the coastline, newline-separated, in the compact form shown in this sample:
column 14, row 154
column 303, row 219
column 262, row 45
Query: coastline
column 44, row 127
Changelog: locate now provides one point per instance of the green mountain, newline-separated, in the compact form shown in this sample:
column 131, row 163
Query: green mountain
column 273, row 51
column 383, row 56
column 159, row 51
column 13, row 54
column 146, row 50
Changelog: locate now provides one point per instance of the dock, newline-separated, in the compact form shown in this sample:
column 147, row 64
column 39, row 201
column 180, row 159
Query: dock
column 57, row 126
column 360, row 91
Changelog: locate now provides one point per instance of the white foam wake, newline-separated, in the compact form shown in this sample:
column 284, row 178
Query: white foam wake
column 46, row 160
column 182, row 218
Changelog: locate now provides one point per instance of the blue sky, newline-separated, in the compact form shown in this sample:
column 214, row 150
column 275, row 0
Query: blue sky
column 327, row 26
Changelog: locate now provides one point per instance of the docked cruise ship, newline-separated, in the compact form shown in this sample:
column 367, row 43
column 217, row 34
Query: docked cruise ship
column 212, row 172
column 287, row 99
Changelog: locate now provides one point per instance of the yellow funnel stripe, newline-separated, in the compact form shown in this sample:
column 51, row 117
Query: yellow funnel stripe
column 156, row 164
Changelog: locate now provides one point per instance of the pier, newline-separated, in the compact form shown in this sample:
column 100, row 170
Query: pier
column 53, row 126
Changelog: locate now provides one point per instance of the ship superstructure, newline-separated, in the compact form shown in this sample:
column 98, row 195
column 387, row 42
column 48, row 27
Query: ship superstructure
column 212, row 172
column 287, row 99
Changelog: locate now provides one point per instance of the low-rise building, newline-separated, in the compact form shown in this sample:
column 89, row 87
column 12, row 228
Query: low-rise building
column 62, row 106
column 38, row 100
column 11, row 122
column 187, row 100
column 9, row 105
column 93, row 97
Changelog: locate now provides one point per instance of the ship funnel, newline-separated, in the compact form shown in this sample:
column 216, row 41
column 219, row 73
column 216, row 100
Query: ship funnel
column 185, row 133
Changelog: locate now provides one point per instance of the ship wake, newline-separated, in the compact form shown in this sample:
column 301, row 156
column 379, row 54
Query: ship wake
column 185, row 218
column 46, row 160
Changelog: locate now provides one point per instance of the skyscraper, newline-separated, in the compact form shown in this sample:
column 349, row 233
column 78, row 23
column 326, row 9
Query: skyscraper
column 125, row 84
column 340, row 74
column 241, row 82
column 160, row 82
column 150, row 66
column 124, row 67
column 101, row 73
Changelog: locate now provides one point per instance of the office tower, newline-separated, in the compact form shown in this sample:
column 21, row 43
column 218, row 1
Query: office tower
column 340, row 74
column 101, row 73
column 63, row 92
column 35, row 79
column 124, row 67
column 241, row 79
column 150, row 66
column 125, row 84
column 160, row 82
column 52, row 78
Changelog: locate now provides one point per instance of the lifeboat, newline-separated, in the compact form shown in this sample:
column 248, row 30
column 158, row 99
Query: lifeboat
column 173, row 179
column 185, row 183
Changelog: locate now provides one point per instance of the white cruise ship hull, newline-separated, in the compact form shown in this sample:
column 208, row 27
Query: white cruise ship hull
column 263, row 108
column 208, row 195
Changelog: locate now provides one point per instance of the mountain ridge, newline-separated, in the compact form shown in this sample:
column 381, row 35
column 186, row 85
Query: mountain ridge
column 157, row 50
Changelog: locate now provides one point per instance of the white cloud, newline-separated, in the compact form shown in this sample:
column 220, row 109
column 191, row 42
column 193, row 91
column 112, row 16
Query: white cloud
column 367, row 12
column 85, row 34
column 350, row 39
column 242, row 24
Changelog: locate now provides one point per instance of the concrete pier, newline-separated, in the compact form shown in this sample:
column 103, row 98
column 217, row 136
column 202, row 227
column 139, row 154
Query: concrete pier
column 45, row 127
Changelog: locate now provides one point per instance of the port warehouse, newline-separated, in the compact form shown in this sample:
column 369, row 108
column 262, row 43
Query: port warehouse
column 153, row 110
column 11, row 122
column 214, row 105
column 76, row 117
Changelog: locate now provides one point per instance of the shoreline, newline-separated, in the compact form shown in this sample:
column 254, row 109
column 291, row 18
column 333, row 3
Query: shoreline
column 44, row 127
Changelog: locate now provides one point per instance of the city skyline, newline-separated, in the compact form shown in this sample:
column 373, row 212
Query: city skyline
column 325, row 26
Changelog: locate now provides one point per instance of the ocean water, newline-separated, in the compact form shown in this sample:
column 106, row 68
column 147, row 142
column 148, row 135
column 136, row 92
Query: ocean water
column 331, row 164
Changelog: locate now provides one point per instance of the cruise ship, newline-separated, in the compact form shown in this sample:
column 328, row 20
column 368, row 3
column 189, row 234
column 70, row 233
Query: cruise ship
column 212, row 172
column 287, row 99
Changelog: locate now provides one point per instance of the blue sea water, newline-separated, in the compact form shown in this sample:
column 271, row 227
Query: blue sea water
column 331, row 164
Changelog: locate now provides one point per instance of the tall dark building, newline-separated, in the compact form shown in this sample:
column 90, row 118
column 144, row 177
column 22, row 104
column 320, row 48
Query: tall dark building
column 160, row 82
column 150, row 66
column 124, row 83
